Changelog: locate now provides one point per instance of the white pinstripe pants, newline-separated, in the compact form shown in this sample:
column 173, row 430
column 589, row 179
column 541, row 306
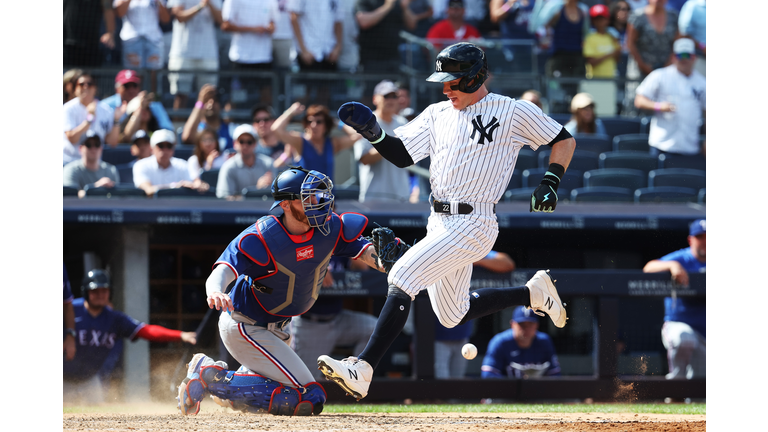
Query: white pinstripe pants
column 442, row 262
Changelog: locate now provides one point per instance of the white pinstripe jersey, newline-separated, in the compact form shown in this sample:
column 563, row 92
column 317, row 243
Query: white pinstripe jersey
column 473, row 151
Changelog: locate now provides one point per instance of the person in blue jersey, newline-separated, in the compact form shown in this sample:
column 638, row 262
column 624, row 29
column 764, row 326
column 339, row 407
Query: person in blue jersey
column 522, row 351
column 276, row 268
column 684, row 331
column 69, row 320
column 99, row 330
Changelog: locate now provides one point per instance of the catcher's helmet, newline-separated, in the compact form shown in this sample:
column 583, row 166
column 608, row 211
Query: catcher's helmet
column 462, row 60
column 95, row 278
column 302, row 184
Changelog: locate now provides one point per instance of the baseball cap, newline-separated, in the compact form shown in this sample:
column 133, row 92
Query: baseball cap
column 140, row 134
column 523, row 314
column 684, row 46
column 581, row 100
column 90, row 134
column 698, row 226
column 162, row 135
column 384, row 88
column 599, row 10
column 245, row 129
column 127, row 76
column 456, row 3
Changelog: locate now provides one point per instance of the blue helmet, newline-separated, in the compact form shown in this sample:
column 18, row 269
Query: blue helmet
column 302, row 184
column 95, row 279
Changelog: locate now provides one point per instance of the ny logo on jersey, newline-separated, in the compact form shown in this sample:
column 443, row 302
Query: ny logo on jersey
column 486, row 131
column 438, row 66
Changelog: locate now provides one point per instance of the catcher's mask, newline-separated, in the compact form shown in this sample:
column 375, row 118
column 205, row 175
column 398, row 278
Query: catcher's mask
column 313, row 188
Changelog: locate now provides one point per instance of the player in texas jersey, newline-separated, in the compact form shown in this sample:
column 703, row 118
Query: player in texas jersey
column 472, row 140
column 98, row 331
column 276, row 266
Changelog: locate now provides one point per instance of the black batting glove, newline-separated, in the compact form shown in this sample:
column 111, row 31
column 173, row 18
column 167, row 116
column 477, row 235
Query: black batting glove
column 360, row 118
column 544, row 198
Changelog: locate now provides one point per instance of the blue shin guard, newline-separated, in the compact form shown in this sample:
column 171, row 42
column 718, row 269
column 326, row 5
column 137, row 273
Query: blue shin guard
column 257, row 394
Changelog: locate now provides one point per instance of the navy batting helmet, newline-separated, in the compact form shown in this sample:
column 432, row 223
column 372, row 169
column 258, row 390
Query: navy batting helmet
column 302, row 184
column 462, row 60
column 95, row 278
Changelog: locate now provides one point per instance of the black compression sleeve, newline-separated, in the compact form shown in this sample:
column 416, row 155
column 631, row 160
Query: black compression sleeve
column 564, row 134
column 393, row 150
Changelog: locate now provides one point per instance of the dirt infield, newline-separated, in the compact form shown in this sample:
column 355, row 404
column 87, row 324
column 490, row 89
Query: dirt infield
column 218, row 419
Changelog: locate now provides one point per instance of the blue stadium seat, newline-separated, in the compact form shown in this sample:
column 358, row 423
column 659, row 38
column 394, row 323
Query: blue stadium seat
column 681, row 177
column 526, row 159
column 601, row 193
column 594, row 143
column 126, row 173
column 261, row 194
column 183, row 192
column 615, row 126
column 644, row 162
column 183, row 151
column 519, row 194
column 211, row 177
column 671, row 160
column 631, row 142
column 582, row 160
column 702, row 198
column 616, row 177
column 121, row 190
column 117, row 156
column 571, row 180
column 561, row 118
column 665, row 194
column 70, row 191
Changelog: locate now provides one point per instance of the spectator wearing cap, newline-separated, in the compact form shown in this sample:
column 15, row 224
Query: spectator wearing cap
column 193, row 46
column 84, row 113
column 263, row 116
column 601, row 49
column 162, row 170
column 207, row 115
column 127, row 88
column 583, row 117
column 453, row 28
column 141, row 34
column 521, row 351
column 693, row 24
column 684, row 330
column 90, row 169
column 246, row 169
column 677, row 95
column 379, row 179
column 140, row 147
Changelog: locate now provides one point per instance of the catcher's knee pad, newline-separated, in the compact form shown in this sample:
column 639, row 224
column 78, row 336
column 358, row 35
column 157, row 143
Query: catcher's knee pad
column 255, row 393
column 313, row 398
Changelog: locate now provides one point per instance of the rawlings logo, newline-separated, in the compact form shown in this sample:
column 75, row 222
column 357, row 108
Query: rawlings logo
column 305, row 253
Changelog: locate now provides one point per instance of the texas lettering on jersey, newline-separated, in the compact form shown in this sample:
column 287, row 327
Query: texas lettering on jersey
column 96, row 338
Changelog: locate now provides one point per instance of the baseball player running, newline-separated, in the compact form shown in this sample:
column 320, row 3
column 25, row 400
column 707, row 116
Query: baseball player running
column 473, row 140
column 277, row 266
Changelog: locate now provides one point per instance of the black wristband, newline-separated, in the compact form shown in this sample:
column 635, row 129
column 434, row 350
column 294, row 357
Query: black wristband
column 554, row 175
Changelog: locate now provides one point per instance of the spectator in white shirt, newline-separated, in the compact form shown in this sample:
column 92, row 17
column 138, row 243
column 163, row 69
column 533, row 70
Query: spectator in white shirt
column 282, row 38
column 246, row 169
column 193, row 46
column 318, row 33
column 162, row 170
column 84, row 113
column 141, row 34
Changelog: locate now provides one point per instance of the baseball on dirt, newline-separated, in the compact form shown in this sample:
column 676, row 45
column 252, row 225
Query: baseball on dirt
column 469, row 351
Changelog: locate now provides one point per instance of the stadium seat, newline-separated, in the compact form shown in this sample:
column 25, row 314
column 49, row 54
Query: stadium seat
column 526, row 159
column 126, row 173
column 519, row 194
column 119, row 155
column 671, row 160
column 211, row 177
column 70, row 191
column 582, row 160
column 255, row 193
column 616, row 177
column 615, row 126
column 702, row 198
column 631, row 142
column 594, row 143
column 121, row 190
column 571, row 180
column 601, row 193
column 561, row 118
column 644, row 162
column 681, row 177
column 665, row 194
column 184, row 192
column 183, row 151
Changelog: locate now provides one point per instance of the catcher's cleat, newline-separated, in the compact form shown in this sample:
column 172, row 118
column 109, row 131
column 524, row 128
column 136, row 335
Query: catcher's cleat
column 544, row 298
column 351, row 374
column 192, row 388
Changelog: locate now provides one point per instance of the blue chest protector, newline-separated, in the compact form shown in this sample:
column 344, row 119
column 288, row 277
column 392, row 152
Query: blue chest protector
column 279, row 275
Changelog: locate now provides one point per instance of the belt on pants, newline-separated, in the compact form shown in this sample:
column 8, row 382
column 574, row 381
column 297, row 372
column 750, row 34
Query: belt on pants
column 279, row 325
column 446, row 207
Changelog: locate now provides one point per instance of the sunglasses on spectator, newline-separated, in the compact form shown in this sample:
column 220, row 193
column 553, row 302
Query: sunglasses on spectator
column 246, row 142
column 684, row 56
column 131, row 85
column 92, row 144
column 390, row 96
column 164, row 146
column 85, row 83
column 262, row 119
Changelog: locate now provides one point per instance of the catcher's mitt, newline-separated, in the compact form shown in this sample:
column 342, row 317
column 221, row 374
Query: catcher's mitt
column 388, row 247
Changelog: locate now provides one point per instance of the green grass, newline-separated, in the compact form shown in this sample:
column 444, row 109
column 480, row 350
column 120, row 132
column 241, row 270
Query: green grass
column 693, row 408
